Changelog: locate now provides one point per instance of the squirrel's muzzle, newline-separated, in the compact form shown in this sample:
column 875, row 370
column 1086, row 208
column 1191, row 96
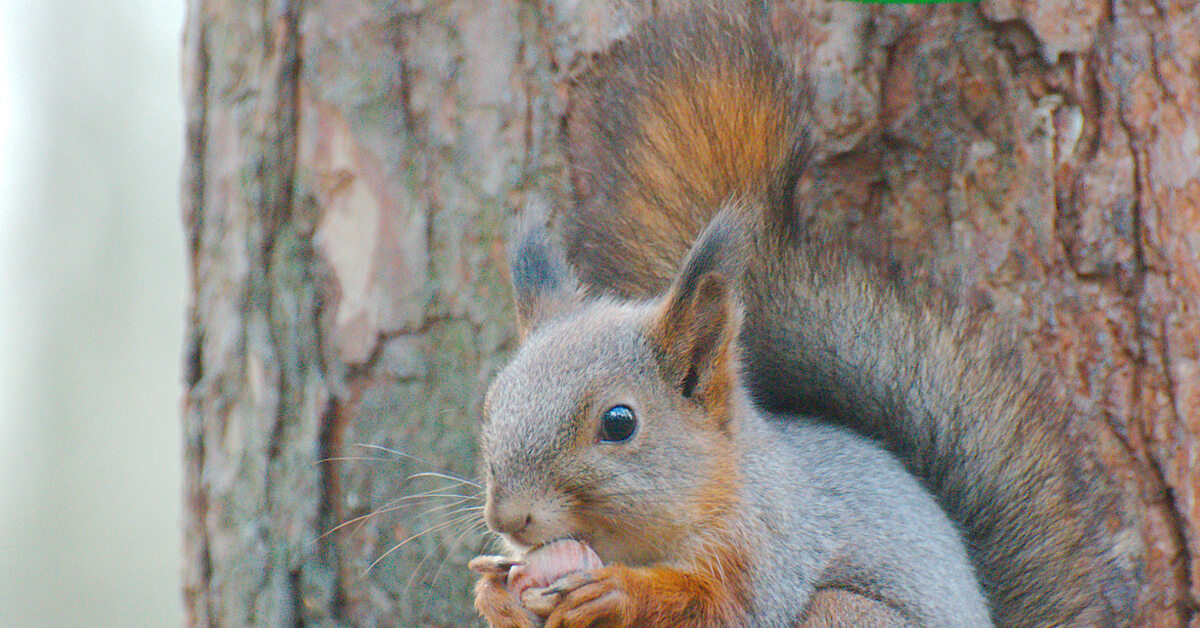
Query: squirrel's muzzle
column 506, row 514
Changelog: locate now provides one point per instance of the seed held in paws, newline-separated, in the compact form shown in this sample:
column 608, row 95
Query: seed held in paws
column 545, row 565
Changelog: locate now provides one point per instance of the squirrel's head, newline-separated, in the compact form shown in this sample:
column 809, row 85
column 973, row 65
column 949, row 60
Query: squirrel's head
column 614, row 422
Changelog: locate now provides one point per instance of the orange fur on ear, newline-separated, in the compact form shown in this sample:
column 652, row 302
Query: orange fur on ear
column 693, row 335
column 700, row 317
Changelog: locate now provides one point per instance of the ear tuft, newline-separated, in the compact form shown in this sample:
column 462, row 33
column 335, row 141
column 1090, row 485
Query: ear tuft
column 543, row 283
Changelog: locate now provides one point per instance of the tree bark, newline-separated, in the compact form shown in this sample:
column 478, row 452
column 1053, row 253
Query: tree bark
column 352, row 166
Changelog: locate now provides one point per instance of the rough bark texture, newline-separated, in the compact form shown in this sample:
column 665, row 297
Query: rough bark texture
column 352, row 166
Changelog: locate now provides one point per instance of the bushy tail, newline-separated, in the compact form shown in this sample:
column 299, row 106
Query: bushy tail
column 667, row 125
column 690, row 112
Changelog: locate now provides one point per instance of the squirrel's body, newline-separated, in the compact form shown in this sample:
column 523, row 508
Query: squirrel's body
column 688, row 117
column 711, row 501
column 846, row 515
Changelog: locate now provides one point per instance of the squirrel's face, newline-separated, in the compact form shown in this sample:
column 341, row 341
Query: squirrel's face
column 613, row 422
column 584, row 437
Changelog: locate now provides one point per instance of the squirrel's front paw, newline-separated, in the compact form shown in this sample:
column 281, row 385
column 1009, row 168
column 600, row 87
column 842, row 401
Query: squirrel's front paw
column 499, row 606
column 592, row 598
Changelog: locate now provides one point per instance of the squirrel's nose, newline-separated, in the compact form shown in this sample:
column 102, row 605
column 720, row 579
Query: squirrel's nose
column 505, row 514
column 508, row 521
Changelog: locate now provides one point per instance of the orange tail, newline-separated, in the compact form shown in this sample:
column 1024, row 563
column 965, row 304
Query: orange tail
column 680, row 117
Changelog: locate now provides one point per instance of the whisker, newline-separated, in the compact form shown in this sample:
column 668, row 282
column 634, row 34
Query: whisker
column 443, row 476
column 452, row 505
column 373, row 513
column 440, row 492
column 353, row 459
column 397, row 504
column 431, row 494
column 458, row 539
column 394, row 452
column 415, row 536
column 458, row 510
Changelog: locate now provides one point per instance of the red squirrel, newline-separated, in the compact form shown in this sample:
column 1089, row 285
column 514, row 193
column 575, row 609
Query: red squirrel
column 655, row 411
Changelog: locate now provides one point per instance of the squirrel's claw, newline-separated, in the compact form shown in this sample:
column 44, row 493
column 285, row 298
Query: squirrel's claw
column 493, row 565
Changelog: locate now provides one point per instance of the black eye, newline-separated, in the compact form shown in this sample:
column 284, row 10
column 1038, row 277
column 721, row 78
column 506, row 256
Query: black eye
column 617, row 424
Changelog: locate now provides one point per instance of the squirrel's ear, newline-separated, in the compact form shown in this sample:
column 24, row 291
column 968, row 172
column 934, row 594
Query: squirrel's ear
column 700, row 316
column 543, row 284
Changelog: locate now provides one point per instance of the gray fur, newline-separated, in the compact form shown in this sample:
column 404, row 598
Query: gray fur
column 841, row 512
column 812, row 506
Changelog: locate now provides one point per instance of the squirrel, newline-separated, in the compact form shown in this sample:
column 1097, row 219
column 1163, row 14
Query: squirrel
column 626, row 425
column 700, row 386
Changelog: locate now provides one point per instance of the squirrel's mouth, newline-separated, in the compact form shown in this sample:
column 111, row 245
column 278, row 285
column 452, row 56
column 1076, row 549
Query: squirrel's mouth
column 565, row 537
column 520, row 547
column 516, row 546
column 523, row 547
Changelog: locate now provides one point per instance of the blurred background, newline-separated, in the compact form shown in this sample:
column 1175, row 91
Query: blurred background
column 91, row 312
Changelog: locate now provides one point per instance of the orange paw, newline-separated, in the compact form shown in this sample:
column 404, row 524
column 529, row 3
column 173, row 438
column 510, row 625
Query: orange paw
column 500, row 607
column 592, row 598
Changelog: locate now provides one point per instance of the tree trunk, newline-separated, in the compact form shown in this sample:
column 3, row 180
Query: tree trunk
column 352, row 166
